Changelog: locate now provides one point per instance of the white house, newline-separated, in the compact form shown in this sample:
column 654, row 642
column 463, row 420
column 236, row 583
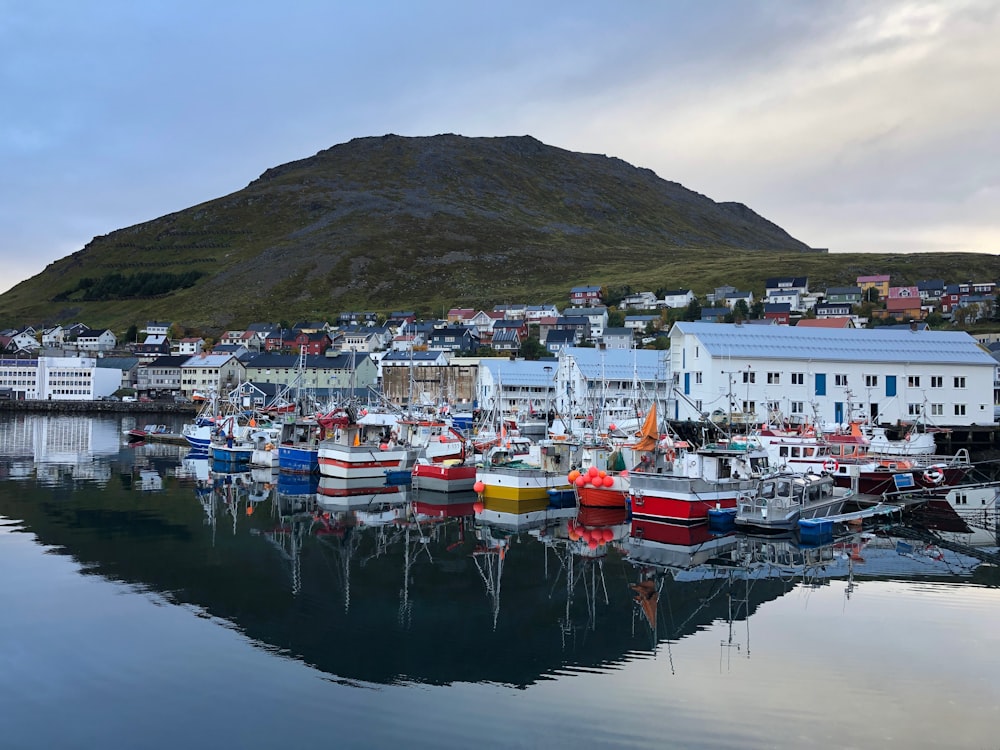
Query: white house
column 92, row 340
column 53, row 337
column 58, row 378
column 601, row 387
column 791, row 297
column 207, row 372
column 677, row 298
column 831, row 375
column 639, row 301
column 597, row 315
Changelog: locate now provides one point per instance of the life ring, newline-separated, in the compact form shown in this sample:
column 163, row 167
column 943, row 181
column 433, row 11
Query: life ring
column 933, row 475
column 669, row 455
column 830, row 466
column 269, row 447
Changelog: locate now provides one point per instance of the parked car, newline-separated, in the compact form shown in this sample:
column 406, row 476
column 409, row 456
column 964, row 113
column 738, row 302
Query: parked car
column 128, row 399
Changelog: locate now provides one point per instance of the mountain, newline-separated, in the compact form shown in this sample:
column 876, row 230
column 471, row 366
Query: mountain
column 394, row 222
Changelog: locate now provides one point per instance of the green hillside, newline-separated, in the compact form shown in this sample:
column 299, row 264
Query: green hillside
column 426, row 224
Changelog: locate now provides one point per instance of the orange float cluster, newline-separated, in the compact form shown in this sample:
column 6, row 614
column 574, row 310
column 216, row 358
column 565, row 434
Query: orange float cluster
column 593, row 537
column 593, row 476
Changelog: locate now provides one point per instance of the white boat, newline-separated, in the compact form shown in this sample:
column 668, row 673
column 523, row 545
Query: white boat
column 780, row 500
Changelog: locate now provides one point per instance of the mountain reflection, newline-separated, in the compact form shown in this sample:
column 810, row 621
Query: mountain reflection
column 384, row 585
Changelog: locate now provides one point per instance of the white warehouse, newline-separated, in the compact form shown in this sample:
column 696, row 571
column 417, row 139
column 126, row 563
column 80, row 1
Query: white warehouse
column 829, row 375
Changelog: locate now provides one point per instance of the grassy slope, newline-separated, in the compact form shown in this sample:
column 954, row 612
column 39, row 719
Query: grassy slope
column 428, row 223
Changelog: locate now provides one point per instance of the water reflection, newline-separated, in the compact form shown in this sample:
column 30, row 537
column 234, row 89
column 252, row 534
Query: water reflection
column 463, row 591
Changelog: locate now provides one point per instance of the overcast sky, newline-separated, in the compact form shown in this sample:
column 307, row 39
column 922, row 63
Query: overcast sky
column 858, row 126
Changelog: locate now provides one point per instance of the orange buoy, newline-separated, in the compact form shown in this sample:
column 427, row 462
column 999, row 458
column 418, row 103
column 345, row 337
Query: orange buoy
column 479, row 486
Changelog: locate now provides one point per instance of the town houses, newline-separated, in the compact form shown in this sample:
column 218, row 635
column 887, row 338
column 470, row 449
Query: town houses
column 877, row 349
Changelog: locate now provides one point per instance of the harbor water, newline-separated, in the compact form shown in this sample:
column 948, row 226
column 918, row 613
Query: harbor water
column 151, row 599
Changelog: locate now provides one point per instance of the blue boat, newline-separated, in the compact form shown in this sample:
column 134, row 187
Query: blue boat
column 231, row 454
column 394, row 477
column 299, row 459
column 562, row 497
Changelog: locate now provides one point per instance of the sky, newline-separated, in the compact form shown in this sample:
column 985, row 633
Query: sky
column 857, row 126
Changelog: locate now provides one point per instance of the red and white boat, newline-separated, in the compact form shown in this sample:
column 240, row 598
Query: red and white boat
column 848, row 457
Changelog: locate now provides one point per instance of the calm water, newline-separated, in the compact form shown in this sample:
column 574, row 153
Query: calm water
column 148, row 601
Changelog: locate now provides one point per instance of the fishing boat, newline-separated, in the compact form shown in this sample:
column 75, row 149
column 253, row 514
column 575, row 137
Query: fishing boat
column 679, row 483
column 505, row 477
column 780, row 500
column 847, row 456
column 452, row 475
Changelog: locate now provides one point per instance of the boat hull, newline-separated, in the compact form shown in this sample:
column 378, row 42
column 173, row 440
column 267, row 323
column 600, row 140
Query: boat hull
column 519, row 484
column 681, row 499
column 234, row 455
column 298, row 459
column 351, row 462
column 614, row 496
column 444, row 478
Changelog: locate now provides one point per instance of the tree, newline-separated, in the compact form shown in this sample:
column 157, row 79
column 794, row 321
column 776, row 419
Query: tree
column 757, row 310
column 532, row 349
column 741, row 311
column 693, row 311
column 132, row 334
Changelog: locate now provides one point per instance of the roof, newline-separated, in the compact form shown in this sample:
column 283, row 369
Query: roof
column 843, row 290
column 778, row 281
column 837, row 344
column 520, row 371
column 777, row 307
column 313, row 361
column 837, row 321
column 584, row 289
column 119, row 363
column 168, row 361
column 560, row 336
column 208, row 360
column 880, row 279
column 619, row 364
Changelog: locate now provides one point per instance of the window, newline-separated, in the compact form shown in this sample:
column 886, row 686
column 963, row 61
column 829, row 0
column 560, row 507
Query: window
column 937, row 381
column 840, row 380
column 960, row 381
column 937, row 410
column 959, row 410
column 697, row 404
column 913, row 381
column 798, row 378
column 697, row 378
column 871, row 381
column 749, row 376
column 797, row 407
column 913, row 410
column 749, row 407
column 774, row 378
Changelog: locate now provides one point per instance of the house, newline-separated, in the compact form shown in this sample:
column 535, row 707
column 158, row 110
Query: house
column 639, row 301
column 597, row 317
column 979, row 287
column 513, row 312
column 92, row 340
column 677, row 299
column 424, row 377
column 518, row 325
column 516, row 386
column 578, row 323
column 506, row 340
column 21, row 342
column 53, row 337
column 483, row 323
column 900, row 308
column 360, row 338
column 210, row 373
column 355, row 318
column 459, row 315
column 792, row 370
column 780, row 286
column 582, row 296
column 311, row 326
column 950, row 298
column 155, row 345
column 535, row 313
column 791, row 297
column 454, row 339
column 643, row 323
column 908, row 292
column 612, row 386
column 157, row 328
column 324, row 375
column 850, row 294
column 931, row 289
column 833, row 309
column 190, row 345
column 715, row 314
column 618, row 338
column 779, row 312
column 847, row 322
column 720, row 292
column 558, row 339
column 880, row 283
column 160, row 376
column 729, row 299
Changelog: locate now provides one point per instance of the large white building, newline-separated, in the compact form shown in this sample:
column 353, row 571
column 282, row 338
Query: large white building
column 830, row 375
column 57, row 379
